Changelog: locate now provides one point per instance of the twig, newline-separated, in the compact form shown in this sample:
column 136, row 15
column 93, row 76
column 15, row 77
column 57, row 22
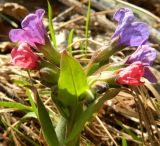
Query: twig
column 103, row 22
column 13, row 133
column 64, row 14
column 83, row 40
column 106, row 130
column 83, row 18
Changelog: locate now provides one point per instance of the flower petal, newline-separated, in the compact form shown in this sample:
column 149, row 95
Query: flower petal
column 20, row 35
column 24, row 57
column 149, row 75
column 124, row 14
column 134, row 34
column 40, row 13
column 145, row 54
column 131, row 75
column 32, row 31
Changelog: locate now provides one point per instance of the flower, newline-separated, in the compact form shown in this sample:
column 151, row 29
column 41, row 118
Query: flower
column 130, row 33
column 123, row 14
column 24, row 57
column 131, row 75
column 32, row 31
column 146, row 55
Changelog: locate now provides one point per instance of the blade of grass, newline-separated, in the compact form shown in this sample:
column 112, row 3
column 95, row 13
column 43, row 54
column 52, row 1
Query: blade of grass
column 51, row 27
column 31, row 96
column 124, row 142
column 128, row 131
column 82, row 47
column 87, row 23
column 31, row 100
column 25, row 137
column 70, row 39
column 15, row 105
column 8, row 20
column 20, row 133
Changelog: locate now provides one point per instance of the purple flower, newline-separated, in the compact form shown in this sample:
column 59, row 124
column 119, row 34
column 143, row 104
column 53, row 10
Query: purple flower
column 130, row 33
column 123, row 15
column 146, row 55
column 32, row 32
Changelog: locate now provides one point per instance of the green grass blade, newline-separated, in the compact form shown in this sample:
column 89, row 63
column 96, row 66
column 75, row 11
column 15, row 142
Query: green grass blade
column 87, row 22
column 15, row 25
column 31, row 100
column 128, row 131
column 124, row 142
column 70, row 39
column 25, row 137
column 51, row 27
column 15, row 105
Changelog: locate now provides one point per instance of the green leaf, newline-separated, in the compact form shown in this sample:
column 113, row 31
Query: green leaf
column 51, row 27
column 20, row 82
column 45, row 121
column 46, row 124
column 61, row 129
column 30, row 115
column 72, row 82
column 15, row 105
column 61, row 108
column 87, row 114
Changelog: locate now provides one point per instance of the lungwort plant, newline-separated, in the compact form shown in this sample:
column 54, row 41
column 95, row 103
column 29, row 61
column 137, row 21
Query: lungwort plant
column 77, row 90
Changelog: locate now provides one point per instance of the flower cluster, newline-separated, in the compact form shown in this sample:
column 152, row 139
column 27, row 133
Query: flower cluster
column 31, row 33
column 73, row 86
column 133, row 33
column 128, row 33
column 146, row 55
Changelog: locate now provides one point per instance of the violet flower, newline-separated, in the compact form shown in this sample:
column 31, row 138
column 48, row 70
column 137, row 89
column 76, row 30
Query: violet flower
column 130, row 33
column 146, row 55
column 32, row 32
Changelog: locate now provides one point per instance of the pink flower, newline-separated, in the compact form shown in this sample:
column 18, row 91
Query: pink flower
column 131, row 75
column 24, row 57
column 33, row 31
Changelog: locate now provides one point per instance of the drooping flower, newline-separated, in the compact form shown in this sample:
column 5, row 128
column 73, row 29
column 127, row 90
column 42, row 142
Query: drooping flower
column 130, row 33
column 32, row 31
column 131, row 75
column 24, row 57
column 146, row 55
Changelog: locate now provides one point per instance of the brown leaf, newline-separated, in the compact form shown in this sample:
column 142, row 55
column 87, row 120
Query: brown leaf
column 14, row 10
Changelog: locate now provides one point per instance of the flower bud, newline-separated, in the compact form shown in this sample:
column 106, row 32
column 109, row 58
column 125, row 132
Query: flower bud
column 24, row 57
column 49, row 77
column 131, row 75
